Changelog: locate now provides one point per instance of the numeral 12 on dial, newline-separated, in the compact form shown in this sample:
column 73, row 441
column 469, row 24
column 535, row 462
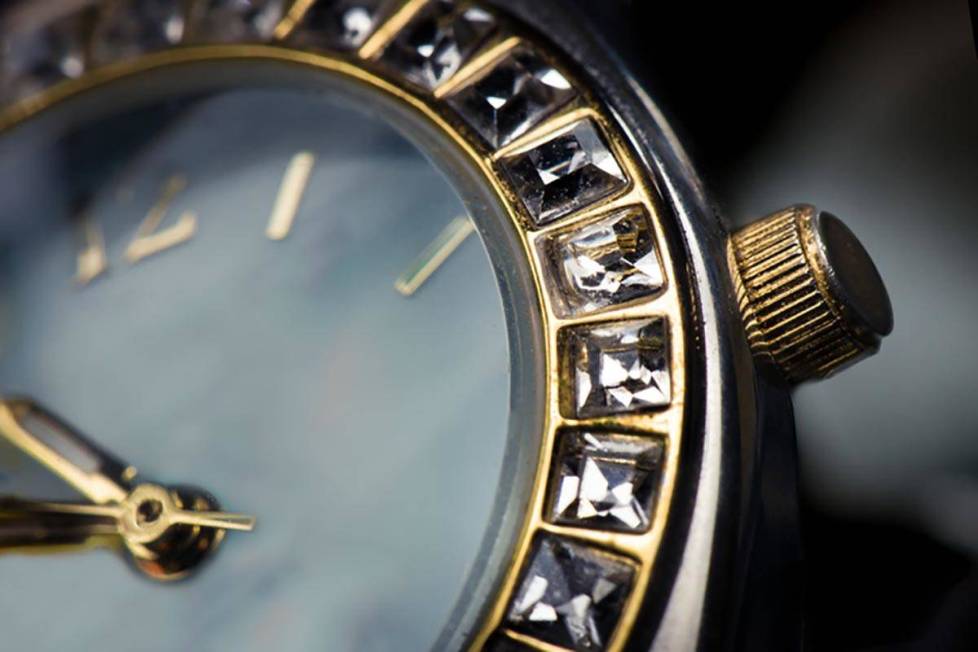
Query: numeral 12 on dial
column 92, row 260
column 148, row 240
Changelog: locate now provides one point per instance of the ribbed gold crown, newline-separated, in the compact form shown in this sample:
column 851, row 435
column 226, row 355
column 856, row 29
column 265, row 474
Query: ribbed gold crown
column 810, row 297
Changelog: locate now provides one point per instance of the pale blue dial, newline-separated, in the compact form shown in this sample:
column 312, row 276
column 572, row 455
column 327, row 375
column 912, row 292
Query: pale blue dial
column 364, row 429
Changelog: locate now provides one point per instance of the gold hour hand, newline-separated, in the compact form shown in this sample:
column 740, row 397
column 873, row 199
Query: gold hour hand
column 93, row 472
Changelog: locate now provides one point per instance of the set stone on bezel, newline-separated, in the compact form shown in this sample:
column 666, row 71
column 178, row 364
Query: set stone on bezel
column 569, row 593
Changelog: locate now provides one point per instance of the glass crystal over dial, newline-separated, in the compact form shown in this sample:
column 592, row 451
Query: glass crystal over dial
column 355, row 428
column 208, row 287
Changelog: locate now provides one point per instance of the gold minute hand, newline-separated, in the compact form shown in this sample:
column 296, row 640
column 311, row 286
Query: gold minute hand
column 26, row 529
column 99, row 476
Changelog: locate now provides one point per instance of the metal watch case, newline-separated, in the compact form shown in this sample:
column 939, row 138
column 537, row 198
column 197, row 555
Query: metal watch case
column 712, row 558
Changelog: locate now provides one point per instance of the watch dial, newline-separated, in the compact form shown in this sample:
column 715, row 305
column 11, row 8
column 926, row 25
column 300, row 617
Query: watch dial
column 228, row 291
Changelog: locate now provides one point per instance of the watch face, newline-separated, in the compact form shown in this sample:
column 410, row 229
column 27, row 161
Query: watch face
column 210, row 288
column 343, row 325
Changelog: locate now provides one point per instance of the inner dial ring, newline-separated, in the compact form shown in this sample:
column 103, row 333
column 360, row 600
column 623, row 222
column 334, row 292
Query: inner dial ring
column 574, row 230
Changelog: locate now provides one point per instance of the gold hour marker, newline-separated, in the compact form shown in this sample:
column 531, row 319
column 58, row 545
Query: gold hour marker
column 436, row 253
column 289, row 195
column 92, row 260
column 148, row 240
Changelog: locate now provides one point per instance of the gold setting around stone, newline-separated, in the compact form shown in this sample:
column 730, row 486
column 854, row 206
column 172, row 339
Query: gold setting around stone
column 364, row 66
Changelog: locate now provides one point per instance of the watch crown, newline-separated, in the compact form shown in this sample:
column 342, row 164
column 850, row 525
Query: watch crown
column 811, row 298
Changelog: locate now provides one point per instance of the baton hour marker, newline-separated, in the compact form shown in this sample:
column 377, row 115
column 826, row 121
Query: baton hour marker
column 434, row 255
column 289, row 195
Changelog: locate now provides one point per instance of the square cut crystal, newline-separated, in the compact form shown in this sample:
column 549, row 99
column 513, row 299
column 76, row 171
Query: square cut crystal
column 571, row 170
column 234, row 21
column 515, row 95
column 570, row 595
column 605, row 263
column 619, row 367
column 605, row 481
column 33, row 59
column 340, row 25
column 127, row 29
column 435, row 44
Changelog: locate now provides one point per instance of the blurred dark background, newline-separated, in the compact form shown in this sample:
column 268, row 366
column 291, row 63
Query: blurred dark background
column 870, row 110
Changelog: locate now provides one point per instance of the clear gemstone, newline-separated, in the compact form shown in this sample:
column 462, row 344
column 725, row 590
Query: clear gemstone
column 605, row 263
column 570, row 595
column 605, row 481
column 438, row 41
column 619, row 367
column 127, row 29
column 33, row 59
column 518, row 93
column 571, row 170
column 235, row 21
column 341, row 25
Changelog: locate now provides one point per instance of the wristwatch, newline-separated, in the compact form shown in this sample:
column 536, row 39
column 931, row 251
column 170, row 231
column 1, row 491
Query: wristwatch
column 429, row 291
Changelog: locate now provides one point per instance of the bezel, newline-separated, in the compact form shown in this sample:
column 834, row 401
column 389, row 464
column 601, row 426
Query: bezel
column 368, row 67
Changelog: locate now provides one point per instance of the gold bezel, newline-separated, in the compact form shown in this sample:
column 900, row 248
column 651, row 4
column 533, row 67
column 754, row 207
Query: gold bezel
column 365, row 66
